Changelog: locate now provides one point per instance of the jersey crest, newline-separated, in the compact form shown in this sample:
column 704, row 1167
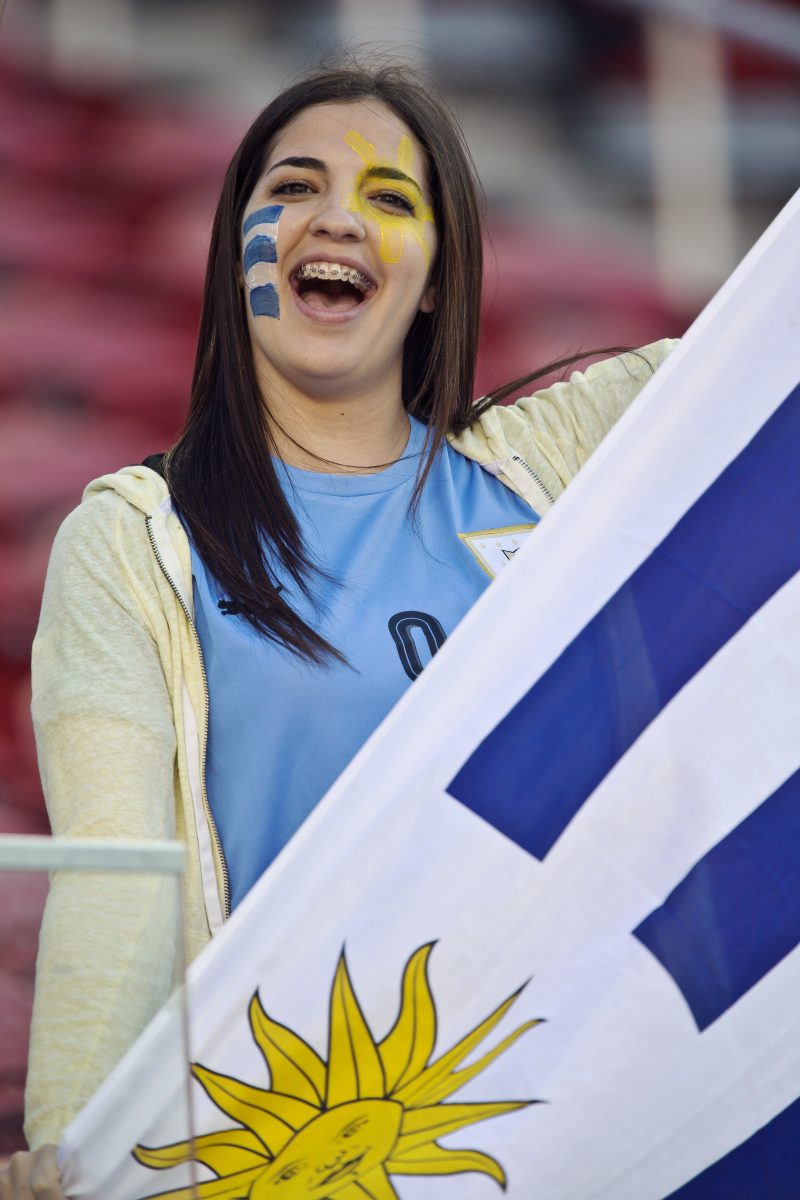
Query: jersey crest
column 496, row 548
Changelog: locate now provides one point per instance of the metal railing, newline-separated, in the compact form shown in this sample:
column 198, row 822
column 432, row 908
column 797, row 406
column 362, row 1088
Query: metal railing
column 42, row 853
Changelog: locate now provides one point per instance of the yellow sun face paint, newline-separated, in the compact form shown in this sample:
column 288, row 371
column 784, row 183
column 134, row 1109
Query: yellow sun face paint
column 395, row 228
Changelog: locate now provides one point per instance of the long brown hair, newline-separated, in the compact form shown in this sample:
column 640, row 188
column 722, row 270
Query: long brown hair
column 220, row 471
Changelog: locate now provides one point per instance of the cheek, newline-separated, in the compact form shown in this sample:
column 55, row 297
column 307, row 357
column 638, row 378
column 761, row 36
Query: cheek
column 400, row 235
column 259, row 260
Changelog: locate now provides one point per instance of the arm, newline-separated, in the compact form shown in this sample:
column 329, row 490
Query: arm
column 566, row 422
column 557, row 428
column 106, row 744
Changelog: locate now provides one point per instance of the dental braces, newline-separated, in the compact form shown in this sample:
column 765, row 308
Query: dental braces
column 334, row 271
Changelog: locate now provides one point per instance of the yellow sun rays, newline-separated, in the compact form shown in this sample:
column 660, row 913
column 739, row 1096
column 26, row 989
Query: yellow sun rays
column 339, row 1129
column 394, row 227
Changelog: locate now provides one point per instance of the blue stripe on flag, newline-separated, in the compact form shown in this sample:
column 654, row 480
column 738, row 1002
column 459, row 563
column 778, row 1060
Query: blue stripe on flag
column 737, row 912
column 727, row 555
column 765, row 1167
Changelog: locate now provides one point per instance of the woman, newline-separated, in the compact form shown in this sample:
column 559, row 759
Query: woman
column 323, row 498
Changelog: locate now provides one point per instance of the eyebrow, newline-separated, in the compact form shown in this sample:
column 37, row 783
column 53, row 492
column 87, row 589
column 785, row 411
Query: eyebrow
column 316, row 164
column 391, row 173
column 310, row 164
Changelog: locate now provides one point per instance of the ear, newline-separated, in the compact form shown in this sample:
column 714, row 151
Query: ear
column 428, row 302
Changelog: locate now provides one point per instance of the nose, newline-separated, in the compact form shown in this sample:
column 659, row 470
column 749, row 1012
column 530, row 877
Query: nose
column 338, row 222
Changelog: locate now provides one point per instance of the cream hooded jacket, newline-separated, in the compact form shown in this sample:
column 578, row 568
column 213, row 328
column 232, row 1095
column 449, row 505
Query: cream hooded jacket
column 120, row 710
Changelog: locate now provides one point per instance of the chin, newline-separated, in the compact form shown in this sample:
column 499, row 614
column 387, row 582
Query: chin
column 328, row 372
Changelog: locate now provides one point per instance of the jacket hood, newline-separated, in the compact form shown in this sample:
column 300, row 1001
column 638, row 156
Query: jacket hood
column 143, row 488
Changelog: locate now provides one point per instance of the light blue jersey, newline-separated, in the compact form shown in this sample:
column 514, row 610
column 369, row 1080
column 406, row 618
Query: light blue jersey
column 282, row 730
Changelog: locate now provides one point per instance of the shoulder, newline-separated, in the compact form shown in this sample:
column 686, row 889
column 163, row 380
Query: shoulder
column 92, row 520
column 102, row 599
column 108, row 524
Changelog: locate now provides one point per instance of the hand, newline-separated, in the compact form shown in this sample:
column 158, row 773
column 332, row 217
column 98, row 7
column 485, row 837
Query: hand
column 31, row 1176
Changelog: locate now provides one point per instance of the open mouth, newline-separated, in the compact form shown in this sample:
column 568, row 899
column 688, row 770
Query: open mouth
column 331, row 287
column 345, row 1169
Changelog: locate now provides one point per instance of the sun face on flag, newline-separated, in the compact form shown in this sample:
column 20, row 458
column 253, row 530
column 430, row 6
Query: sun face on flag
column 342, row 1128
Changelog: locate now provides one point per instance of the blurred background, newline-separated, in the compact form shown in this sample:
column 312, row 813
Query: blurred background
column 631, row 152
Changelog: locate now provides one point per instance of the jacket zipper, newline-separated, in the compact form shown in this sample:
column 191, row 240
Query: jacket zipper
column 517, row 458
column 226, row 891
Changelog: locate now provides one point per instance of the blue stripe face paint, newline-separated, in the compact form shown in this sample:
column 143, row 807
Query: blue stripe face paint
column 263, row 216
column 259, row 259
column 264, row 301
column 260, row 249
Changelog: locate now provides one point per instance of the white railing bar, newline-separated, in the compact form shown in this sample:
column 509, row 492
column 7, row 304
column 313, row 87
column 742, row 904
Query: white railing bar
column 39, row 853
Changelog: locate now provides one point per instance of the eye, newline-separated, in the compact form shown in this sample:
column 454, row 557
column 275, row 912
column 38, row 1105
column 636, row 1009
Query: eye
column 292, row 187
column 395, row 200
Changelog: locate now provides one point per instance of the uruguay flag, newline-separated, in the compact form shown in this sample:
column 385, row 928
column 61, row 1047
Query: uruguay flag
column 543, row 933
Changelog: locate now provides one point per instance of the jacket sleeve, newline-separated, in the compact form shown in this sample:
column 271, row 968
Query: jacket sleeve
column 557, row 428
column 106, row 744
column 569, row 420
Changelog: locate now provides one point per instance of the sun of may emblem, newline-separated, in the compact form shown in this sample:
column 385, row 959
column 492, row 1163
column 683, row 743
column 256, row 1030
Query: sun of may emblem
column 340, row 1129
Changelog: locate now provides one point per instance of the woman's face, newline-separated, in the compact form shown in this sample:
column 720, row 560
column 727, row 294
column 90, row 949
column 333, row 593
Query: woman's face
column 338, row 241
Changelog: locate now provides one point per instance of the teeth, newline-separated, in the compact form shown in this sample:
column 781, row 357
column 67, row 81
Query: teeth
column 326, row 270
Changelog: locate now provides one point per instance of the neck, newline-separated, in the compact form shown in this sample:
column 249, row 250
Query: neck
column 338, row 433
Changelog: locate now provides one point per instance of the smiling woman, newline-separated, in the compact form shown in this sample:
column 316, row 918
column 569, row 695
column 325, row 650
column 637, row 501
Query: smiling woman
column 224, row 626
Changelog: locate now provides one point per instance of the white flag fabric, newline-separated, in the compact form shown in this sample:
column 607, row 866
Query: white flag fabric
column 543, row 933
